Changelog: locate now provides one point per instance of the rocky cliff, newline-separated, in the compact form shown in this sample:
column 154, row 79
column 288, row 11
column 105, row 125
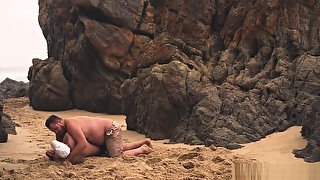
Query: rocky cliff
column 199, row 72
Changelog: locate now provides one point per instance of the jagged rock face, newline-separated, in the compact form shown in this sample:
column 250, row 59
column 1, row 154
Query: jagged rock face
column 213, row 72
column 252, row 75
column 13, row 89
column 96, row 43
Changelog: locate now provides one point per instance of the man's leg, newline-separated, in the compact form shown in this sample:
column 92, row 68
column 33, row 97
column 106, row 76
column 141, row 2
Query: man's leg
column 115, row 145
column 134, row 145
column 144, row 149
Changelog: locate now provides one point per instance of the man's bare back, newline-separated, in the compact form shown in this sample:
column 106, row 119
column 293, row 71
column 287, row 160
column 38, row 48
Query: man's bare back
column 93, row 128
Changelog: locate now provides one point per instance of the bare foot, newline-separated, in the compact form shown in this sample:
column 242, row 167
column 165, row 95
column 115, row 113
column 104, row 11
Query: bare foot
column 146, row 149
column 148, row 143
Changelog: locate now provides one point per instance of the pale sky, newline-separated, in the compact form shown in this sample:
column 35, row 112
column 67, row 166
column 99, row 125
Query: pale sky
column 21, row 38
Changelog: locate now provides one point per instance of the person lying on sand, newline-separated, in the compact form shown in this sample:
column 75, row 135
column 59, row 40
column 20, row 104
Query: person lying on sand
column 61, row 150
column 102, row 133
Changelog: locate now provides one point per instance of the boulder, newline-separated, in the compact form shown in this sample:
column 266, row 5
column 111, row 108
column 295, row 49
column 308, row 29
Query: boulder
column 13, row 89
column 8, row 125
column 49, row 90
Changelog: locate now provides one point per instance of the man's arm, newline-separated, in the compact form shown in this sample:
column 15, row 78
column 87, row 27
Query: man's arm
column 90, row 150
column 77, row 134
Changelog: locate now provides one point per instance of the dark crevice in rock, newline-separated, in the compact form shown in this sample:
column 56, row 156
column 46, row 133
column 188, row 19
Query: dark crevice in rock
column 142, row 16
column 293, row 50
column 217, row 23
column 138, row 30
column 143, row 33
column 173, row 11
column 255, row 48
column 245, row 88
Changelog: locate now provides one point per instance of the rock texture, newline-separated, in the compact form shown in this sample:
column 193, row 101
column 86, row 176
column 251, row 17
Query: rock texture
column 311, row 130
column 10, row 89
column 49, row 89
column 212, row 72
column 3, row 133
column 7, row 126
column 13, row 89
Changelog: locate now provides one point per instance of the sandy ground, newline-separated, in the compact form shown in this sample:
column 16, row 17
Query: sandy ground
column 22, row 157
column 274, row 160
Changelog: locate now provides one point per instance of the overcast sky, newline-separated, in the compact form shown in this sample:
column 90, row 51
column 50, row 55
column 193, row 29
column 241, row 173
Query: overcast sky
column 21, row 38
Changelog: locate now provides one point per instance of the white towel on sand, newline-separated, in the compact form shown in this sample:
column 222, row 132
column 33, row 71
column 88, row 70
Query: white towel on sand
column 61, row 149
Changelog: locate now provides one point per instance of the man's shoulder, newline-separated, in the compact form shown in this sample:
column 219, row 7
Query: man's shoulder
column 87, row 119
column 74, row 118
column 72, row 121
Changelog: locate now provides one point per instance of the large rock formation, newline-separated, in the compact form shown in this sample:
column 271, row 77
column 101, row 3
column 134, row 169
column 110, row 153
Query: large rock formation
column 213, row 72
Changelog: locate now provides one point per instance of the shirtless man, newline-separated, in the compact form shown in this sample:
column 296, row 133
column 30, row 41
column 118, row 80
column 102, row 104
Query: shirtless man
column 100, row 132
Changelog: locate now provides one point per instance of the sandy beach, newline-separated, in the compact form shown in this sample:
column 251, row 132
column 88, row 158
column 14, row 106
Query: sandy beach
column 23, row 156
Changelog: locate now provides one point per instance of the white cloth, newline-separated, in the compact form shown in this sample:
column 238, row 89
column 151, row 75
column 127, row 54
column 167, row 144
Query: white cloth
column 61, row 149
